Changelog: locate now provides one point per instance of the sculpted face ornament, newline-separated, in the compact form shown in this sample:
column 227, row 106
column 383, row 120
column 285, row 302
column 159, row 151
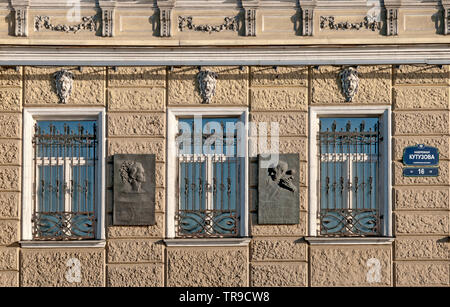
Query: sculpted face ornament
column 64, row 84
column 349, row 82
column 132, row 173
column 207, row 84
column 283, row 176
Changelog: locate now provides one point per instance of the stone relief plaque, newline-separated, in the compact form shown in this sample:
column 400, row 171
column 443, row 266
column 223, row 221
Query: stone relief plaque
column 134, row 190
column 278, row 191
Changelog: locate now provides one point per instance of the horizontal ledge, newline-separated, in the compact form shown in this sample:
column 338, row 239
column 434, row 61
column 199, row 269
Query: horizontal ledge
column 207, row 242
column 63, row 244
column 349, row 241
column 437, row 54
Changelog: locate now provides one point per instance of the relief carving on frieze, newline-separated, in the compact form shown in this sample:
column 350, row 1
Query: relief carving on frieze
column 186, row 23
column 88, row 23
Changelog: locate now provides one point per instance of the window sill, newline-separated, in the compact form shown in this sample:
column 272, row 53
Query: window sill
column 207, row 242
column 350, row 241
column 63, row 244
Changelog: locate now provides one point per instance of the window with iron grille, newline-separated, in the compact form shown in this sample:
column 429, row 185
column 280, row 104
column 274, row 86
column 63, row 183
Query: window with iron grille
column 209, row 178
column 65, row 167
column 349, row 176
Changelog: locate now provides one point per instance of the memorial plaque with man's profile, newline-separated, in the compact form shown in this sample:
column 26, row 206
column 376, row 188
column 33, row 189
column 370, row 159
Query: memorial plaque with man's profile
column 134, row 190
column 278, row 190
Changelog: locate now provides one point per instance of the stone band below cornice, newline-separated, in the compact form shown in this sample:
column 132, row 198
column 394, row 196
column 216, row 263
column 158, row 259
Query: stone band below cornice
column 267, row 55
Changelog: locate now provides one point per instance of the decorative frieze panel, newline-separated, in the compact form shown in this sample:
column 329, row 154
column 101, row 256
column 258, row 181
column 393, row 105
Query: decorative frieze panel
column 186, row 23
column 44, row 23
column 369, row 23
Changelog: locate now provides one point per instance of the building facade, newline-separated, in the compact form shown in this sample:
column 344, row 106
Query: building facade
column 224, row 143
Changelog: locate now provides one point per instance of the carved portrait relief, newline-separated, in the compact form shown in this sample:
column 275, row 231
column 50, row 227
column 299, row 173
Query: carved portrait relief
column 207, row 84
column 278, row 190
column 282, row 176
column 133, row 175
column 63, row 83
column 134, row 189
column 349, row 82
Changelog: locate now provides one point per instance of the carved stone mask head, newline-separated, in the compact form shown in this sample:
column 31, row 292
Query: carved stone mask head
column 349, row 82
column 63, row 83
column 133, row 173
column 207, row 84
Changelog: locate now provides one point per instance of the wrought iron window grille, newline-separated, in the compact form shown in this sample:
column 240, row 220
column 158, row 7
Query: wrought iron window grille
column 349, row 175
column 208, row 187
column 65, row 161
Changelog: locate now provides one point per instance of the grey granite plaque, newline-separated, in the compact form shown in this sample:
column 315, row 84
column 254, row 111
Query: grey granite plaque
column 134, row 190
column 278, row 191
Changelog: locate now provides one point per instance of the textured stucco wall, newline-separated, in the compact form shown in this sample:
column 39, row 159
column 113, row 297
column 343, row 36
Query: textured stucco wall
column 136, row 99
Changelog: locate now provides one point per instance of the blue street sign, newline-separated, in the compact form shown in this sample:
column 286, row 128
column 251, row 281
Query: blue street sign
column 420, row 171
column 421, row 155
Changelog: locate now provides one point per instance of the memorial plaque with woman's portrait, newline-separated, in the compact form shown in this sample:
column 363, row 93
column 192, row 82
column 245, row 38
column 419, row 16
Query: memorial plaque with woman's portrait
column 134, row 190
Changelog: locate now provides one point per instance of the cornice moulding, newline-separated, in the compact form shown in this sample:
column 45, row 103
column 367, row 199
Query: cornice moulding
column 278, row 4
column 192, row 4
column 191, row 56
column 340, row 4
column 107, row 4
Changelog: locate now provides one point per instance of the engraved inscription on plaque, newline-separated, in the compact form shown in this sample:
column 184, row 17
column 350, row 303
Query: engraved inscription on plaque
column 134, row 190
column 278, row 191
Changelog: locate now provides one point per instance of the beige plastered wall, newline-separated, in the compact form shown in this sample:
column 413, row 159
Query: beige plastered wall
column 136, row 100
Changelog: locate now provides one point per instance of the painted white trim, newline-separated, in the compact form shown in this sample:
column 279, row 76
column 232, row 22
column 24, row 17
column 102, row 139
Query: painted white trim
column 350, row 241
column 385, row 163
column 367, row 54
column 30, row 115
column 63, row 244
column 171, row 175
column 207, row 242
